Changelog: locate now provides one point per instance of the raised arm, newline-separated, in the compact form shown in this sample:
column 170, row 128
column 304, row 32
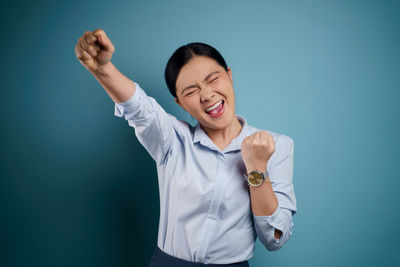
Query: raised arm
column 94, row 51
column 154, row 127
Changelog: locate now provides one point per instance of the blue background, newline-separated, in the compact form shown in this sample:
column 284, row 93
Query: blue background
column 78, row 189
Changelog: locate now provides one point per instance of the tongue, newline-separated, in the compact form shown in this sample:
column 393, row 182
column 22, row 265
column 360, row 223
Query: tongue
column 216, row 110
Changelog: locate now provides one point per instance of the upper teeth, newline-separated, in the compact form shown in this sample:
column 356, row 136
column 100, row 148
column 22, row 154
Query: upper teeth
column 214, row 106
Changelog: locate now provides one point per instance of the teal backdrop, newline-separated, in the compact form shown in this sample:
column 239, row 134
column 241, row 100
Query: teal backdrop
column 78, row 189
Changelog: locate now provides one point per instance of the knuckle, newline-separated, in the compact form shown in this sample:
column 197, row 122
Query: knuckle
column 91, row 37
column 85, row 54
column 259, row 145
column 93, row 51
column 86, row 34
column 98, row 30
column 81, row 43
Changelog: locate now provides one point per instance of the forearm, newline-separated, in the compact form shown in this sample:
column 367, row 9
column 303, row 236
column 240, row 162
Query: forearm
column 119, row 87
column 273, row 202
column 263, row 199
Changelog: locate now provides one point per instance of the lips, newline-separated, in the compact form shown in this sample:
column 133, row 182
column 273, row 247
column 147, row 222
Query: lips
column 217, row 111
column 214, row 105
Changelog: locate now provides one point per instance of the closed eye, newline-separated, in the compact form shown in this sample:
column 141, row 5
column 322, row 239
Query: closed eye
column 190, row 93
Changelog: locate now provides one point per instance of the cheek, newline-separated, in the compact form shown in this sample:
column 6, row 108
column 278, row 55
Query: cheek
column 227, row 92
column 193, row 104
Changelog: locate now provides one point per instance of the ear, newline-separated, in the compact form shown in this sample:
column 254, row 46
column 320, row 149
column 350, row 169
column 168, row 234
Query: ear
column 178, row 102
column 230, row 74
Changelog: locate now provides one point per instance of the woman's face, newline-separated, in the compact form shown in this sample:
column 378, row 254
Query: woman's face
column 201, row 84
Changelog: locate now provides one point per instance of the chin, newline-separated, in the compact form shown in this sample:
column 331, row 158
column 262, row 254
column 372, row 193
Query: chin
column 219, row 124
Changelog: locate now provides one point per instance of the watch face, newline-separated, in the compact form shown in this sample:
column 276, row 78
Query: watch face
column 255, row 178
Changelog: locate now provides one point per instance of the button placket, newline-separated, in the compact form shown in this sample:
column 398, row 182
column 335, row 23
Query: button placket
column 210, row 223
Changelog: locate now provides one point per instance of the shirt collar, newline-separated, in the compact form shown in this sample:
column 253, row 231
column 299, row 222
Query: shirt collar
column 201, row 136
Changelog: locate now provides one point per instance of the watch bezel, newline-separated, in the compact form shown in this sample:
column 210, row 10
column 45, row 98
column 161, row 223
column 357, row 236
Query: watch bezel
column 263, row 175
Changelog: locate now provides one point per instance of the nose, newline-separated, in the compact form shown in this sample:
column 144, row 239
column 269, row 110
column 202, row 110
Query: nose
column 206, row 93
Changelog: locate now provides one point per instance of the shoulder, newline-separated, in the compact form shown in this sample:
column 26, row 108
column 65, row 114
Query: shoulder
column 166, row 120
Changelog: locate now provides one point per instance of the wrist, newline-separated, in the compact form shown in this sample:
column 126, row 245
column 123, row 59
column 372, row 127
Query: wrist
column 259, row 168
column 104, row 70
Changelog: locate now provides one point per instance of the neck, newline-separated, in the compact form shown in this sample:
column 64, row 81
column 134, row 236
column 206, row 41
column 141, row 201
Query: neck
column 223, row 137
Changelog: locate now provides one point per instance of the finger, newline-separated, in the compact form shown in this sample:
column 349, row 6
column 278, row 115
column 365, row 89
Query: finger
column 91, row 51
column 87, row 60
column 85, row 56
column 77, row 52
column 261, row 134
column 90, row 38
column 85, row 36
column 98, row 33
column 93, row 42
column 271, row 139
column 267, row 134
column 260, row 138
column 86, row 47
column 82, row 43
column 264, row 135
column 255, row 137
column 104, row 41
column 264, row 140
column 87, row 40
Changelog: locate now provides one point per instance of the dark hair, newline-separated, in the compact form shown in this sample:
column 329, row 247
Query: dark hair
column 182, row 56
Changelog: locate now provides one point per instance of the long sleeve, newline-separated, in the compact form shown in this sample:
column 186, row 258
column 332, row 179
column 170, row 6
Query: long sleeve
column 280, row 169
column 153, row 126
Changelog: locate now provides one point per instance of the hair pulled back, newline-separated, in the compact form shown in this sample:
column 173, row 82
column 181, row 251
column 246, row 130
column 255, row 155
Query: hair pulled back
column 182, row 56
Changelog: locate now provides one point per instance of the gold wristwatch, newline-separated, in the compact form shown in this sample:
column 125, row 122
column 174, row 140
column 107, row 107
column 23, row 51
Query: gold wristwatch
column 256, row 178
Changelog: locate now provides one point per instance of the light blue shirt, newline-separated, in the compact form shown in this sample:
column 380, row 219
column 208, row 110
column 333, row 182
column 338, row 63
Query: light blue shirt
column 205, row 212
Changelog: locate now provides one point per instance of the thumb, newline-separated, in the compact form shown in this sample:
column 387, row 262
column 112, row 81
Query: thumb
column 103, row 41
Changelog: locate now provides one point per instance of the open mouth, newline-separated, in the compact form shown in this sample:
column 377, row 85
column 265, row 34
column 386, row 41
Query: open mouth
column 215, row 110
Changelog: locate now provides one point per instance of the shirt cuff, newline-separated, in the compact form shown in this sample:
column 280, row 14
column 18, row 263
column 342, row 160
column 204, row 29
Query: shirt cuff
column 130, row 104
column 274, row 221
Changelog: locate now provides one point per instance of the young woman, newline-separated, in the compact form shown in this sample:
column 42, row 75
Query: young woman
column 222, row 182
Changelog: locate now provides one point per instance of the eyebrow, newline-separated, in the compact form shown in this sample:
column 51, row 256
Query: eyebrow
column 208, row 76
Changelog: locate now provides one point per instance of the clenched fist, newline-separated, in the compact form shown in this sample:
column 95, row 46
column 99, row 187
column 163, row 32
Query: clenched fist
column 256, row 150
column 94, row 49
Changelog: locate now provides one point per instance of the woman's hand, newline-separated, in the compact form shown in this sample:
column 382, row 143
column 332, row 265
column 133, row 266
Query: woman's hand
column 256, row 150
column 94, row 50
